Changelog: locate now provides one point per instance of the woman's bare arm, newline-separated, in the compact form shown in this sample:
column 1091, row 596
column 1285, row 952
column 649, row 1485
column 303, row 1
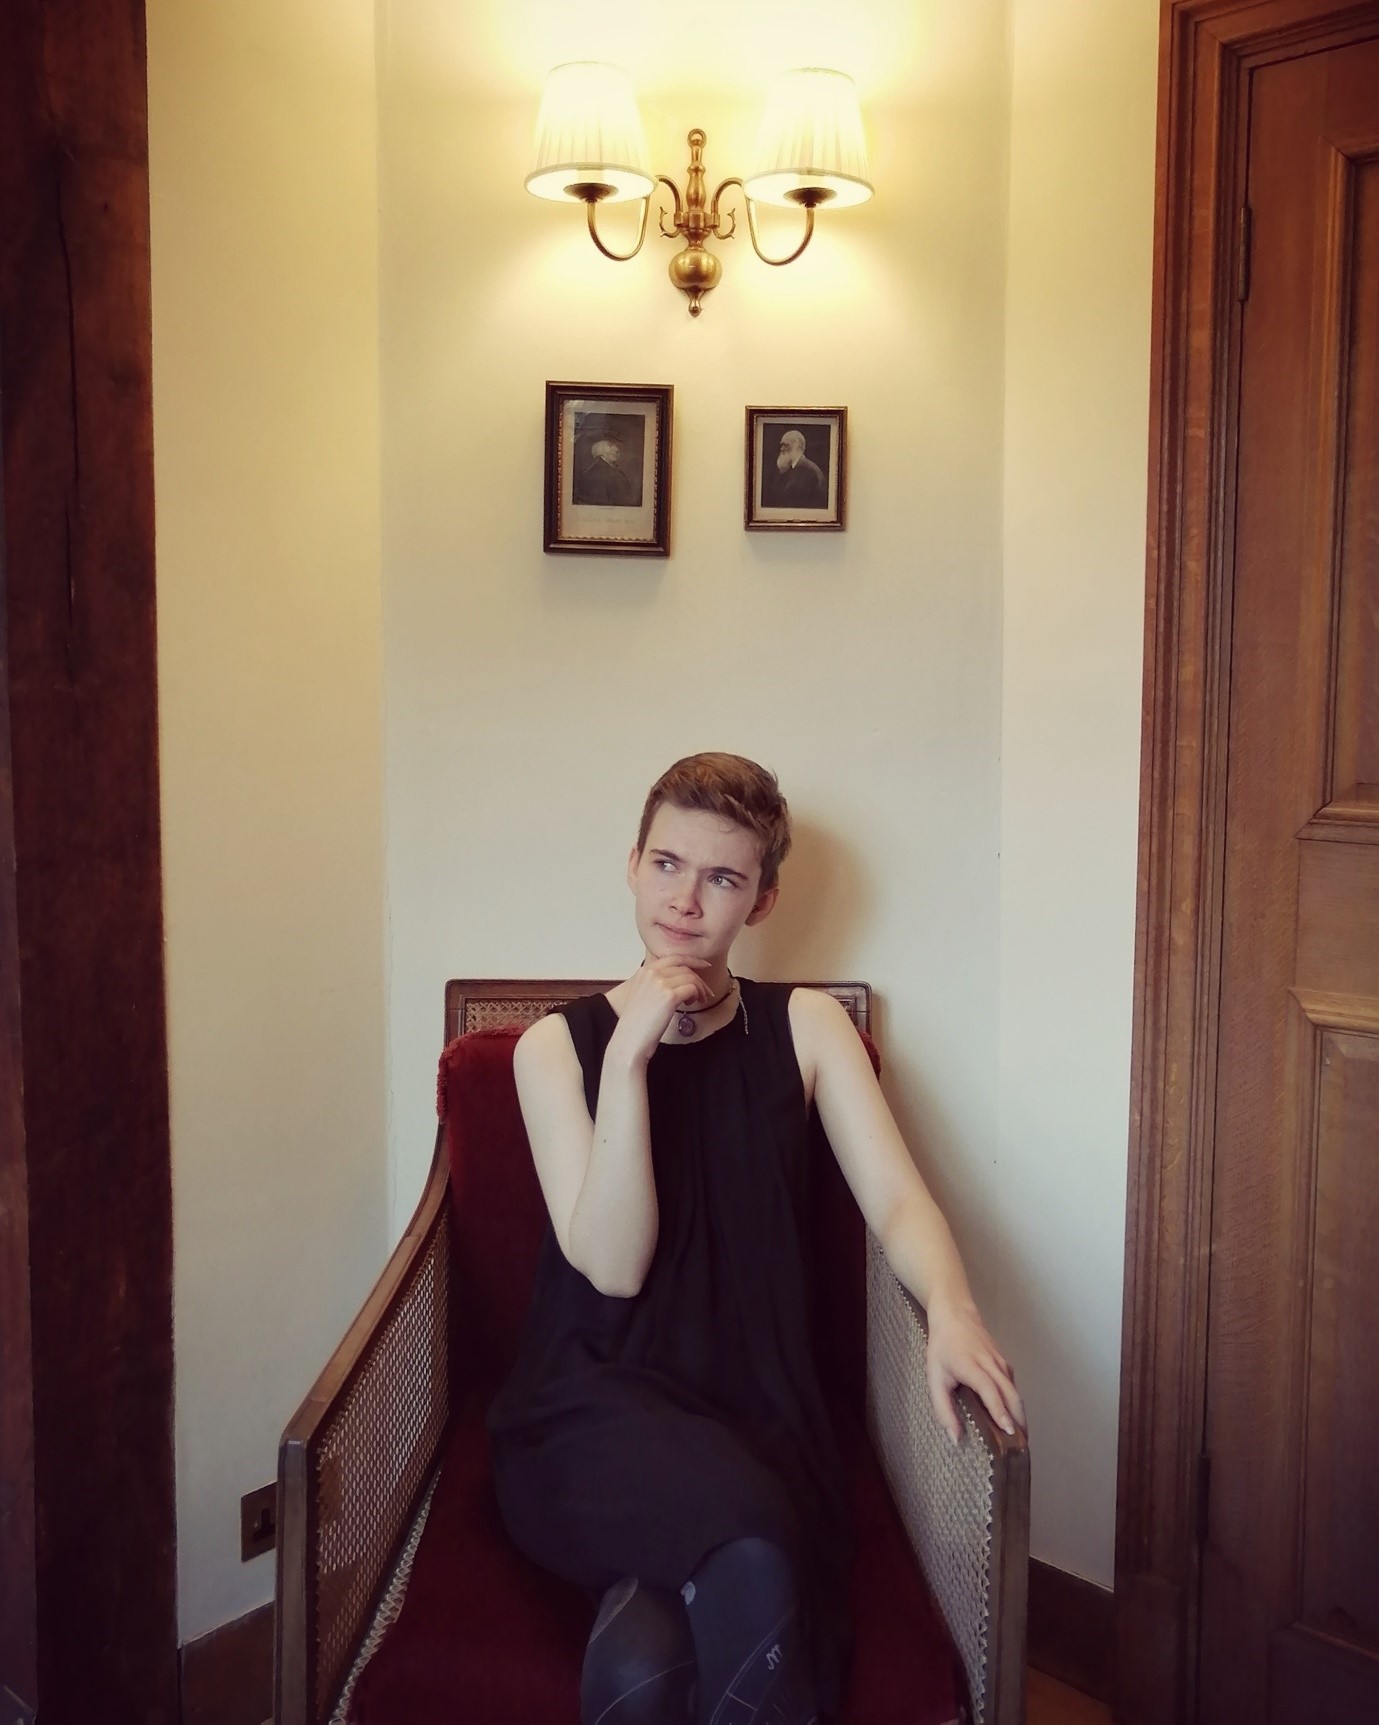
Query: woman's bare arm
column 900, row 1210
column 596, row 1175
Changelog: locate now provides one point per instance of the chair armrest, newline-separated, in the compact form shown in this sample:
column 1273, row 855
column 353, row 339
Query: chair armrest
column 356, row 1458
column 965, row 1507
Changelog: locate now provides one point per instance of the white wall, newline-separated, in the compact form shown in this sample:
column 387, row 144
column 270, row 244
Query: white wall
column 266, row 460
column 949, row 689
column 986, row 597
column 1077, row 398
column 532, row 698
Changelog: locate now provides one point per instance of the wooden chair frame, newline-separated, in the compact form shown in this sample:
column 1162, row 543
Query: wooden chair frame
column 966, row 1509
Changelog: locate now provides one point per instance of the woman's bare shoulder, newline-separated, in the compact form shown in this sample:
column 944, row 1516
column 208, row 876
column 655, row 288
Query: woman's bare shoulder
column 816, row 1010
column 545, row 1045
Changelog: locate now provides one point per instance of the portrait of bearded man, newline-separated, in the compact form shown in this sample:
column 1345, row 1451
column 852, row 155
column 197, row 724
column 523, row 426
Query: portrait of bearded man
column 794, row 481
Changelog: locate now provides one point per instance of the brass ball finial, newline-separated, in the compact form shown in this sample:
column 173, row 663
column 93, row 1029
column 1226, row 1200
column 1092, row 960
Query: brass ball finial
column 695, row 272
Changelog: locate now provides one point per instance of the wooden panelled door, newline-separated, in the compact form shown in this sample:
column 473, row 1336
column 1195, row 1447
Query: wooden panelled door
column 1289, row 1625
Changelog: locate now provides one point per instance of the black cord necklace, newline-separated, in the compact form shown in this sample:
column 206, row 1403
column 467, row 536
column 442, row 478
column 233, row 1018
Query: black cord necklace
column 685, row 1023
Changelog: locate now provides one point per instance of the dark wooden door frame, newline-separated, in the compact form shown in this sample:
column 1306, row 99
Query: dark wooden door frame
column 1207, row 51
column 88, row 1610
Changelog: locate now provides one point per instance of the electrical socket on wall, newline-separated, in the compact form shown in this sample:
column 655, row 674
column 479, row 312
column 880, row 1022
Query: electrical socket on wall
column 258, row 1522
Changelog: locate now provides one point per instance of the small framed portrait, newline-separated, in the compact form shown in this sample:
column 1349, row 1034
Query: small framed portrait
column 608, row 468
column 796, row 467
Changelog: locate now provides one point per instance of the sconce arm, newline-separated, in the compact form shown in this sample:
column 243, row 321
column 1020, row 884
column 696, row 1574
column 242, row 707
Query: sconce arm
column 618, row 257
column 789, row 257
column 591, row 204
column 678, row 215
column 716, row 227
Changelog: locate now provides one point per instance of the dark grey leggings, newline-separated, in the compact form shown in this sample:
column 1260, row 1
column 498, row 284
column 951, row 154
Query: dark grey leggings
column 727, row 1650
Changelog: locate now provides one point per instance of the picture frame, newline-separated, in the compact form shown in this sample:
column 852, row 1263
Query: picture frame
column 796, row 479
column 608, row 449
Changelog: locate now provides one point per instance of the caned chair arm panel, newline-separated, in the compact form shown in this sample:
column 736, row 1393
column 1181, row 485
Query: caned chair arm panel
column 389, row 1607
column 355, row 1460
column 965, row 1507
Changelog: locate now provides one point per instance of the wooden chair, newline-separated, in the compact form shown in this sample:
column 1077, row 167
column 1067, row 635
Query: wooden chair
column 358, row 1461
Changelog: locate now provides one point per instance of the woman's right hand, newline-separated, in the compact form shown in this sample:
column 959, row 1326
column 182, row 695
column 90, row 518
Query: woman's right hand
column 652, row 997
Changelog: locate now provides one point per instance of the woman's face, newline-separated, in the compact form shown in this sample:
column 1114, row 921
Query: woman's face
column 696, row 883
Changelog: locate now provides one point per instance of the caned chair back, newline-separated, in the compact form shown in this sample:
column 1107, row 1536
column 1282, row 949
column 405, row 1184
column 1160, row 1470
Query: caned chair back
column 498, row 1004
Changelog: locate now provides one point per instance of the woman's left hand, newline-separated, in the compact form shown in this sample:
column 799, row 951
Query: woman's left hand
column 961, row 1351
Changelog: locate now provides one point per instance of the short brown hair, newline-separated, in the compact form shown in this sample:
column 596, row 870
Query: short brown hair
column 737, row 789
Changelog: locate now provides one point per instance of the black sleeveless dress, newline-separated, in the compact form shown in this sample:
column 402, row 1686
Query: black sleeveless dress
column 635, row 1435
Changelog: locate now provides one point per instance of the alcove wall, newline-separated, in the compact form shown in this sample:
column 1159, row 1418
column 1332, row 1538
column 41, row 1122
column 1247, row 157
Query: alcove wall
column 402, row 743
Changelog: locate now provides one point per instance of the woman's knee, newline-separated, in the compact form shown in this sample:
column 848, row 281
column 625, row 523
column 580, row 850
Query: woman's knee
column 639, row 1663
column 749, row 1571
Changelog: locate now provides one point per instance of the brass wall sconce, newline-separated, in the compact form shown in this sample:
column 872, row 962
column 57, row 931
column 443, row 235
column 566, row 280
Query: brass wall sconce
column 591, row 149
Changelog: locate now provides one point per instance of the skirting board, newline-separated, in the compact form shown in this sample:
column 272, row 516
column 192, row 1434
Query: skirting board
column 1071, row 1631
column 227, row 1676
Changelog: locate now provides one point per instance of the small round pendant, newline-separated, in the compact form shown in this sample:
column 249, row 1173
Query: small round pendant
column 685, row 1024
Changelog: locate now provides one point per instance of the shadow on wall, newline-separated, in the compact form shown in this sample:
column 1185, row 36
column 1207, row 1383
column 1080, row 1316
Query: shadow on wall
column 824, row 900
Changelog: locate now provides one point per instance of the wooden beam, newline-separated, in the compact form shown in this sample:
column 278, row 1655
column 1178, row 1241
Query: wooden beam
column 87, row 1604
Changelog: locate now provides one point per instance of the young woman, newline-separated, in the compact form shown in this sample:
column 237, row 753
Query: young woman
column 663, row 1440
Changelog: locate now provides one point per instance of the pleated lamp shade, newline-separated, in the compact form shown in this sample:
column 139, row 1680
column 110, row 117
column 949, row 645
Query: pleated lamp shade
column 589, row 133
column 811, row 147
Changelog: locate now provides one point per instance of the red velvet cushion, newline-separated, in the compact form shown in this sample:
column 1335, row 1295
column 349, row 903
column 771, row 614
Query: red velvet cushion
column 904, row 1670
column 839, row 1285
column 498, row 1215
column 486, row 1638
